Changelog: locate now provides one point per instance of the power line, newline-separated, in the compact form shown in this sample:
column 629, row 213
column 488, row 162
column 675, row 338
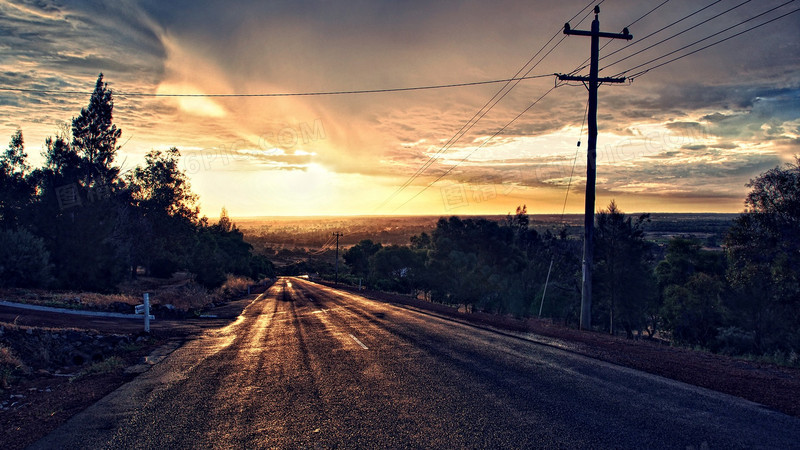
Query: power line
column 479, row 147
column 633, row 76
column 679, row 33
column 639, row 40
column 585, row 64
column 324, row 247
column 640, row 73
column 574, row 160
column 647, row 13
column 287, row 94
column 472, row 121
column 483, row 110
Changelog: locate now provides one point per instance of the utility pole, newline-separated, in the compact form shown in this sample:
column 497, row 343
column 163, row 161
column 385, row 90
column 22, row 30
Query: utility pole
column 591, row 168
column 338, row 235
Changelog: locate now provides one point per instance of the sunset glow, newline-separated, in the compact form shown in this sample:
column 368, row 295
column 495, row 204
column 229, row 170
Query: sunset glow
column 685, row 137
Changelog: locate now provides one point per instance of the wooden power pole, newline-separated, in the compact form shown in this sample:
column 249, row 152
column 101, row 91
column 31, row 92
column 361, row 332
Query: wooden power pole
column 591, row 168
column 338, row 235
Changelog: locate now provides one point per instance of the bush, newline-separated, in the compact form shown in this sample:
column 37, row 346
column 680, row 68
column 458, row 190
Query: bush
column 24, row 261
column 163, row 267
column 9, row 363
column 261, row 267
column 733, row 341
column 210, row 276
column 190, row 296
column 694, row 312
column 108, row 365
column 233, row 287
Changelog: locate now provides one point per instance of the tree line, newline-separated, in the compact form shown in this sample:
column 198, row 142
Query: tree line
column 78, row 222
column 742, row 300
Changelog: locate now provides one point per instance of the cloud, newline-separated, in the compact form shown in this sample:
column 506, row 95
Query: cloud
column 698, row 127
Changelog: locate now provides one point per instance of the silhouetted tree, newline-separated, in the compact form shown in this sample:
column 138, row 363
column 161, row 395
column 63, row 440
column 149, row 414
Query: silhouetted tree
column 16, row 184
column 358, row 257
column 693, row 311
column 24, row 261
column 691, row 285
column 224, row 223
column 78, row 213
column 622, row 282
column 398, row 268
column 221, row 250
column 421, row 241
column 94, row 136
column 164, row 216
column 475, row 262
column 95, row 226
column 764, row 259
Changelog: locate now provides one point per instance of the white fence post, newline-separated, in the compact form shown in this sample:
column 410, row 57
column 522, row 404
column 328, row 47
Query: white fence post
column 146, row 312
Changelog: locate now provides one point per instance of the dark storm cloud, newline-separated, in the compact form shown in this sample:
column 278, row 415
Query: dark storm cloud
column 85, row 35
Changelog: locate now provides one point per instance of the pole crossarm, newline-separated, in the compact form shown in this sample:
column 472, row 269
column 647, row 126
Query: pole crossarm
column 599, row 80
column 624, row 35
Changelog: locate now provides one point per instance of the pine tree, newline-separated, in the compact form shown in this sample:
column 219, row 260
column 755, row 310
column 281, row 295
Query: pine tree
column 95, row 136
column 16, row 187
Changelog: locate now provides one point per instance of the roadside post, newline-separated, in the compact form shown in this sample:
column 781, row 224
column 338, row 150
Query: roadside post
column 146, row 312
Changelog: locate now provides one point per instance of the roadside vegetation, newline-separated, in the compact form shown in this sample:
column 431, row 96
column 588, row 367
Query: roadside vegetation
column 742, row 299
column 79, row 233
column 79, row 224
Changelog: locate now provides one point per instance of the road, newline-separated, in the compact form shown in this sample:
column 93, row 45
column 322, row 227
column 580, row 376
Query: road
column 309, row 366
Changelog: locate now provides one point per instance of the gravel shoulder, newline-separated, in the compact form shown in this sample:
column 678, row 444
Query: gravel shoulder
column 40, row 402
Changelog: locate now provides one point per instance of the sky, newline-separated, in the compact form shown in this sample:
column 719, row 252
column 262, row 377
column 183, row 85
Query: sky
column 684, row 137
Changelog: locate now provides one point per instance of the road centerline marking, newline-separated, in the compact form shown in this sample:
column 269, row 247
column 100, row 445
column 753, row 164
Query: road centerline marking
column 359, row 342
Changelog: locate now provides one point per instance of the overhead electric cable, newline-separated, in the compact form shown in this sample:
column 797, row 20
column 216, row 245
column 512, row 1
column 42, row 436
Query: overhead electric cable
column 642, row 39
column 585, row 64
column 640, row 73
column 684, row 31
column 450, row 169
column 574, row 160
column 286, row 94
column 484, row 110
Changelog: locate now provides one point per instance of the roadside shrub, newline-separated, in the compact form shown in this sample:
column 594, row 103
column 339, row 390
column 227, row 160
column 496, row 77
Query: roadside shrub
column 163, row 267
column 733, row 341
column 9, row 363
column 777, row 357
column 24, row 261
column 261, row 267
column 233, row 287
column 190, row 296
column 107, row 301
column 105, row 366
column 694, row 312
column 209, row 275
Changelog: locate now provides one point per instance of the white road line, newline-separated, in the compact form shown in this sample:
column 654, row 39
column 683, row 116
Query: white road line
column 359, row 342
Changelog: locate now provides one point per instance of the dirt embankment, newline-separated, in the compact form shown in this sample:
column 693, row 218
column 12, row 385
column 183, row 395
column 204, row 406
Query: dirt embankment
column 60, row 364
column 49, row 374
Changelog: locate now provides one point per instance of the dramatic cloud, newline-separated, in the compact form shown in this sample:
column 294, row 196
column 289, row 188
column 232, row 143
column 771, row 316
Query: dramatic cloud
column 686, row 136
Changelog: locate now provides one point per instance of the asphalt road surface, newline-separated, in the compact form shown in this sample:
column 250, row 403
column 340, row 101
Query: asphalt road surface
column 309, row 366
